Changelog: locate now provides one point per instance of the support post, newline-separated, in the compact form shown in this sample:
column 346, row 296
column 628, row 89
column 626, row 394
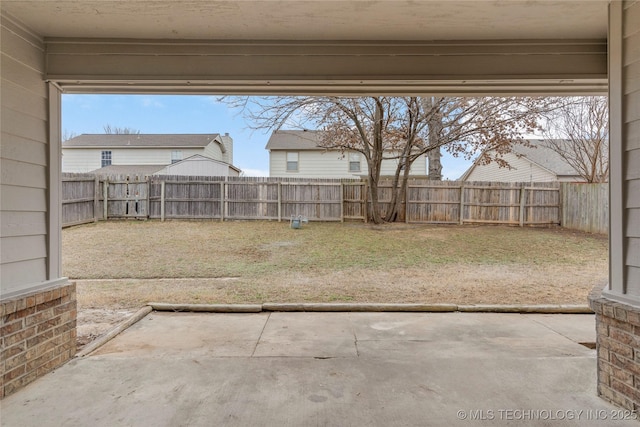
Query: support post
column 221, row 201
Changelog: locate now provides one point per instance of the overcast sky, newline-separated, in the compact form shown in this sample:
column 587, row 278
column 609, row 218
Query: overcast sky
column 184, row 114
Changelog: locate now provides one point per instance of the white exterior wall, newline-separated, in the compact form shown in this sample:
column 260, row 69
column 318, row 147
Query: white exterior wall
column 23, row 161
column 213, row 151
column 89, row 159
column 331, row 164
column 521, row 170
column 198, row 167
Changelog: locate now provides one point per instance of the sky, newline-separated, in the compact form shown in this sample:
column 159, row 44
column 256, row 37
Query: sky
column 186, row 114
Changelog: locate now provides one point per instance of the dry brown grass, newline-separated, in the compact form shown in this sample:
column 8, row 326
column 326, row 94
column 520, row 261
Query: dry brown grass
column 253, row 262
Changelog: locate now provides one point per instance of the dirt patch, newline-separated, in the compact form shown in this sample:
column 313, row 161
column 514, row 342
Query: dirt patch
column 94, row 322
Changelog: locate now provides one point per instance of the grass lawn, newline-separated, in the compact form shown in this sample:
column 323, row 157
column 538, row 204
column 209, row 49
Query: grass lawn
column 131, row 263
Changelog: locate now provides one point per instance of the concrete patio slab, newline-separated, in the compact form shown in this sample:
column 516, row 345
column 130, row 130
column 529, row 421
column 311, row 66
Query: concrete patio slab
column 431, row 369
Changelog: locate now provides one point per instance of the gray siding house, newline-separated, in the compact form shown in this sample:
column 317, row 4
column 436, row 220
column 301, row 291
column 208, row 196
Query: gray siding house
column 526, row 164
column 298, row 154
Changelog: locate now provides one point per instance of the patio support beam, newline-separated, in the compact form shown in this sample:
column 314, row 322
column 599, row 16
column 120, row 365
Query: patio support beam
column 339, row 67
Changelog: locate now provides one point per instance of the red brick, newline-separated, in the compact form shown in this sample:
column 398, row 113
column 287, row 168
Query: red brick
column 39, row 317
column 633, row 317
column 625, row 389
column 607, row 310
column 12, row 327
column 602, row 329
column 603, row 353
column 48, row 324
column 47, row 304
column 56, row 294
column 622, row 337
column 15, row 373
column 19, row 336
column 624, row 326
column 615, row 397
column 625, row 364
column 20, row 314
column 31, row 301
column 620, row 313
column 9, row 352
column 616, row 347
column 9, row 307
column 13, row 362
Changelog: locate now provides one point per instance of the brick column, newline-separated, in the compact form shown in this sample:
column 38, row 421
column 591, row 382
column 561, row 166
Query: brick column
column 38, row 334
column 618, row 348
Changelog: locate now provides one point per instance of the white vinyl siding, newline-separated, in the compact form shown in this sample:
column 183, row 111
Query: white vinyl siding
column 522, row 170
column 23, row 160
column 213, row 151
column 330, row 164
column 88, row 159
column 631, row 129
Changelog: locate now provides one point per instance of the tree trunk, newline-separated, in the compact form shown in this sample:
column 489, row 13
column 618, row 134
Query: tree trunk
column 434, row 155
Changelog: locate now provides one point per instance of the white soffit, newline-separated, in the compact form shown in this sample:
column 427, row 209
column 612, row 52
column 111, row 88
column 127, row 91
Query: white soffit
column 313, row 20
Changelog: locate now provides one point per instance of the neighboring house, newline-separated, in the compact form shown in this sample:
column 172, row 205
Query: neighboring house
column 198, row 165
column 144, row 153
column 537, row 163
column 297, row 154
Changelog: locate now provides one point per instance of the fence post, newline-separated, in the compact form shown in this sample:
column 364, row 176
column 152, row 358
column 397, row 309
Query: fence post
column 96, row 199
column 105, row 196
column 225, row 197
column 221, row 201
column 279, row 201
column 162, row 184
column 365, row 197
column 523, row 199
column 406, row 204
column 342, row 202
column 461, row 213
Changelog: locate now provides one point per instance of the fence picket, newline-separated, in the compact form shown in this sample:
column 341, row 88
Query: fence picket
column 436, row 202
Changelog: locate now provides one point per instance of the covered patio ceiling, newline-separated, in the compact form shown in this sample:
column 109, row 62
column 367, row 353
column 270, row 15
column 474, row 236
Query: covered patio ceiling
column 314, row 47
column 314, row 20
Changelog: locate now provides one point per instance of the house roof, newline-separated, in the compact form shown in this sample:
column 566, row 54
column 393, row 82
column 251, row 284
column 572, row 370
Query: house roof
column 128, row 170
column 140, row 140
column 544, row 156
column 199, row 157
column 539, row 154
column 295, row 140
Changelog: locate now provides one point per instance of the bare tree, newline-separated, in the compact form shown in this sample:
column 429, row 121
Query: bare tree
column 115, row 130
column 401, row 129
column 579, row 132
column 67, row 135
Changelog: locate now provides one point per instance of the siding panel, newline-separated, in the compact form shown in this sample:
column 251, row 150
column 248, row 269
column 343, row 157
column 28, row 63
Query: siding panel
column 21, row 248
column 23, row 174
column 521, row 171
column 13, row 224
column 14, row 275
column 20, row 75
column 16, row 199
column 21, row 50
column 24, row 101
column 23, row 150
column 19, row 124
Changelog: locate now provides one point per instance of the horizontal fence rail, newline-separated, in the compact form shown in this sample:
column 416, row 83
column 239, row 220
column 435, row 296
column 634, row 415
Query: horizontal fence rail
column 89, row 198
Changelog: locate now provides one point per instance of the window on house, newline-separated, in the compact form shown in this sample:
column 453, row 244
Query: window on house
column 292, row 162
column 176, row 156
column 105, row 159
column 354, row 162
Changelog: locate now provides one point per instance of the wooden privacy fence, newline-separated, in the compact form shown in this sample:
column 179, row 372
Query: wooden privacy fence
column 87, row 198
column 585, row 207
